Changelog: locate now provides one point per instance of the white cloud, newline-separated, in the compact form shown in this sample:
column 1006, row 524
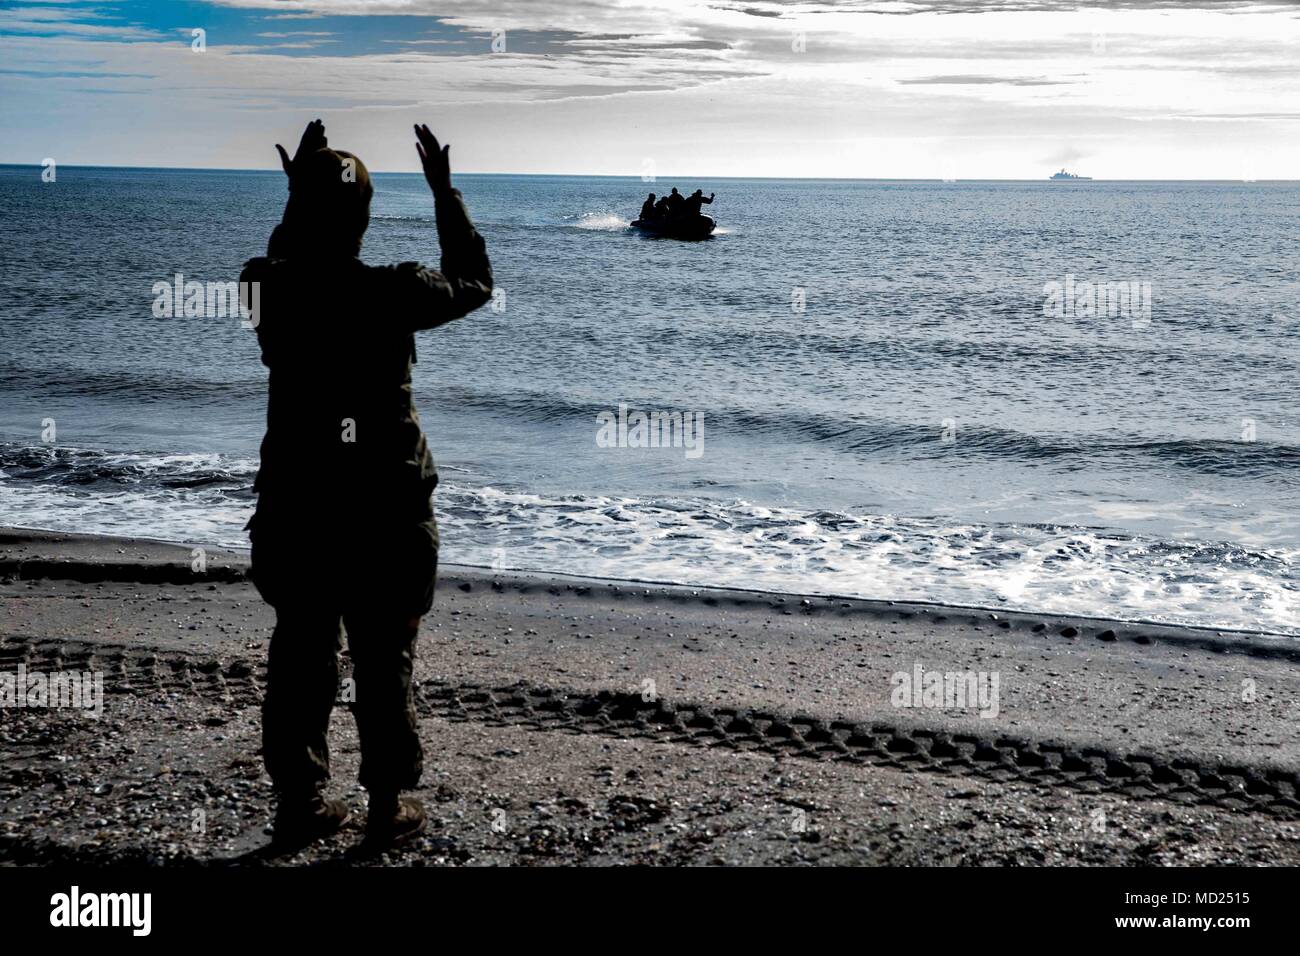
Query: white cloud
column 1131, row 89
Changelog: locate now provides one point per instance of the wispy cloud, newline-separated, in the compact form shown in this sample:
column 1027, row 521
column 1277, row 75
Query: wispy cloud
column 972, row 79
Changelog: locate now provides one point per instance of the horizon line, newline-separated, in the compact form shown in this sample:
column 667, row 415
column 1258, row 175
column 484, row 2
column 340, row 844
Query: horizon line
column 634, row 177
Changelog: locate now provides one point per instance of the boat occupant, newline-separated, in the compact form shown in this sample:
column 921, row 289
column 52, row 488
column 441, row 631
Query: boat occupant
column 693, row 202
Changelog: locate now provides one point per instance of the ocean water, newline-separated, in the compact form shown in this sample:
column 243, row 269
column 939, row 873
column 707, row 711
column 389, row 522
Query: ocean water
column 895, row 400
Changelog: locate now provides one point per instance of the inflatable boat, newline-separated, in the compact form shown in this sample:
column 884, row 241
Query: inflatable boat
column 693, row 227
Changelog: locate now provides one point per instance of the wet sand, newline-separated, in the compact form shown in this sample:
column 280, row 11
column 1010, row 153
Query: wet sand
column 569, row 720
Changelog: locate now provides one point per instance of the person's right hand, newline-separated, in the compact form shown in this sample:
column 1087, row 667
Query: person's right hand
column 435, row 159
column 313, row 138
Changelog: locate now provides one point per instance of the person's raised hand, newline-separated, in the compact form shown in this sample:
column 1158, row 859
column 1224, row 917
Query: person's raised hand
column 313, row 138
column 435, row 159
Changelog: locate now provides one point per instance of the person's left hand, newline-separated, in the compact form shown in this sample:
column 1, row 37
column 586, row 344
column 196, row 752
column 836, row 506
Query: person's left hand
column 313, row 138
column 435, row 159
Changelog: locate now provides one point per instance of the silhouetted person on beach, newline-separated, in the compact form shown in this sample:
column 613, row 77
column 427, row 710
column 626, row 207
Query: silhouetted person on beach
column 694, row 202
column 648, row 208
column 344, row 531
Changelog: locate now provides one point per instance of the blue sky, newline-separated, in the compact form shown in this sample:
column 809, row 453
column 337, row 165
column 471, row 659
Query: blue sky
column 924, row 88
column 271, row 27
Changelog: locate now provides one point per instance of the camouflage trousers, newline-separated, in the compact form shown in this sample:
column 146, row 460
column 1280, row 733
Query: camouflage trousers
column 376, row 586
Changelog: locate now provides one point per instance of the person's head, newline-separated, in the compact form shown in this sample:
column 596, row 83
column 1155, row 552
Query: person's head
column 698, row 192
column 329, row 203
column 652, row 198
column 675, row 191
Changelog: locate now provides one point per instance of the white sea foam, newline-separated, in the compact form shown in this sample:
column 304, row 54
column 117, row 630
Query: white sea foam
column 740, row 544
column 1030, row 567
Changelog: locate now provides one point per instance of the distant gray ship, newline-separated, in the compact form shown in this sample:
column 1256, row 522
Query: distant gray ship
column 1064, row 175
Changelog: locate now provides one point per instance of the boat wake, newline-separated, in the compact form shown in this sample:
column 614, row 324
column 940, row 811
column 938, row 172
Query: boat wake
column 601, row 222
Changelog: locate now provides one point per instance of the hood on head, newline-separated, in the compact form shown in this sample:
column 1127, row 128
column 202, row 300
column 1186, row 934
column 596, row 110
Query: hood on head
column 328, row 208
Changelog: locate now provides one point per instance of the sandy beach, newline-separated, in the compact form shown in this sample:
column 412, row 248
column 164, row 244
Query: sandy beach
column 570, row 720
